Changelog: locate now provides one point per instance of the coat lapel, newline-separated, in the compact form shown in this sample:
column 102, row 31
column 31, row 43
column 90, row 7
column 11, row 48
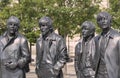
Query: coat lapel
column 110, row 36
column 4, row 42
column 107, row 41
column 51, row 43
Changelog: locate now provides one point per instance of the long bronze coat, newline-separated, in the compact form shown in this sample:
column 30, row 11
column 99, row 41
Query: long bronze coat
column 112, row 54
column 58, row 53
column 78, row 56
column 13, row 49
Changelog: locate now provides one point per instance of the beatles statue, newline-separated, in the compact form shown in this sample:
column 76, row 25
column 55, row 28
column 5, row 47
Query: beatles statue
column 14, row 52
column 84, row 51
column 107, row 55
column 51, row 51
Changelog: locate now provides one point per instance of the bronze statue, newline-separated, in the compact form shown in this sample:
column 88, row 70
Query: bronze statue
column 84, row 51
column 51, row 51
column 14, row 51
column 107, row 56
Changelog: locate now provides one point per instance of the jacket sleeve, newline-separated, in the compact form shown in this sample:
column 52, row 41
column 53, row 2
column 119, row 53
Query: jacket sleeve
column 25, row 53
column 37, row 54
column 62, row 55
column 77, row 60
column 119, row 58
column 95, row 53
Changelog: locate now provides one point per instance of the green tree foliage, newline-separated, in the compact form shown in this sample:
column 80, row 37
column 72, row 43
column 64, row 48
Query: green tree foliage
column 67, row 15
column 3, row 10
column 115, row 12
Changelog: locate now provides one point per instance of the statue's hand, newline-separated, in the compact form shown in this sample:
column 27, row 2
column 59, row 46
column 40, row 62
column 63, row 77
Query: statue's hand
column 11, row 65
column 56, row 72
column 21, row 63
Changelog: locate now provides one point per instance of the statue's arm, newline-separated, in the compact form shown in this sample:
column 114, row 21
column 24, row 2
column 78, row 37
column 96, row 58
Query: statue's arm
column 77, row 60
column 25, row 53
column 119, row 57
column 62, row 55
column 38, row 56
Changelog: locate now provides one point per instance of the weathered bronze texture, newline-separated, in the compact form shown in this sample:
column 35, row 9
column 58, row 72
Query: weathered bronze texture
column 107, row 55
column 51, row 51
column 14, row 51
column 84, row 51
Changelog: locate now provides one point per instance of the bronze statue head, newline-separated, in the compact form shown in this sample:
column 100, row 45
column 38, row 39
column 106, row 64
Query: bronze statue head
column 45, row 24
column 88, row 28
column 13, row 24
column 104, row 20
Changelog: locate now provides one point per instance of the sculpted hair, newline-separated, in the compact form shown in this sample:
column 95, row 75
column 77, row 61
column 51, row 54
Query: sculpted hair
column 90, row 24
column 104, row 14
column 15, row 19
column 46, row 20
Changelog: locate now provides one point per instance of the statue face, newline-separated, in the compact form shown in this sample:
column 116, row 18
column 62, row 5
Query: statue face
column 45, row 24
column 87, row 30
column 104, row 21
column 12, row 26
column 44, row 28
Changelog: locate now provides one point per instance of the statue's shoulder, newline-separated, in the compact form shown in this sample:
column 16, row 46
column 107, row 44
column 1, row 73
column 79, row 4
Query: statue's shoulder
column 56, row 36
column 39, row 38
column 114, row 33
column 1, row 36
column 21, row 36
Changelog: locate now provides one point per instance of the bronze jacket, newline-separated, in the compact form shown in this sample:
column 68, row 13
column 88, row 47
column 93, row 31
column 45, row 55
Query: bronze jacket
column 78, row 56
column 16, row 49
column 112, row 54
column 58, row 53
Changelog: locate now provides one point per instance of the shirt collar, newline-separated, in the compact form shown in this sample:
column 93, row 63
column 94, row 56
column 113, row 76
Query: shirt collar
column 50, row 37
column 109, row 34
column 6, row 34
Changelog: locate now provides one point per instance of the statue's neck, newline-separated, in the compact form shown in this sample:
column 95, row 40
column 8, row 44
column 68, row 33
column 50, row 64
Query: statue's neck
column 105, row 31
column 11, row 34
column 85, row 39
column 46, row 35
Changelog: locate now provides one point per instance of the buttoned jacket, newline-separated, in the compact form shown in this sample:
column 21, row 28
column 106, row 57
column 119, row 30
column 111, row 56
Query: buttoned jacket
column 112, row 54
column 14, row 49
column 57, row 51
column 79, row 53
